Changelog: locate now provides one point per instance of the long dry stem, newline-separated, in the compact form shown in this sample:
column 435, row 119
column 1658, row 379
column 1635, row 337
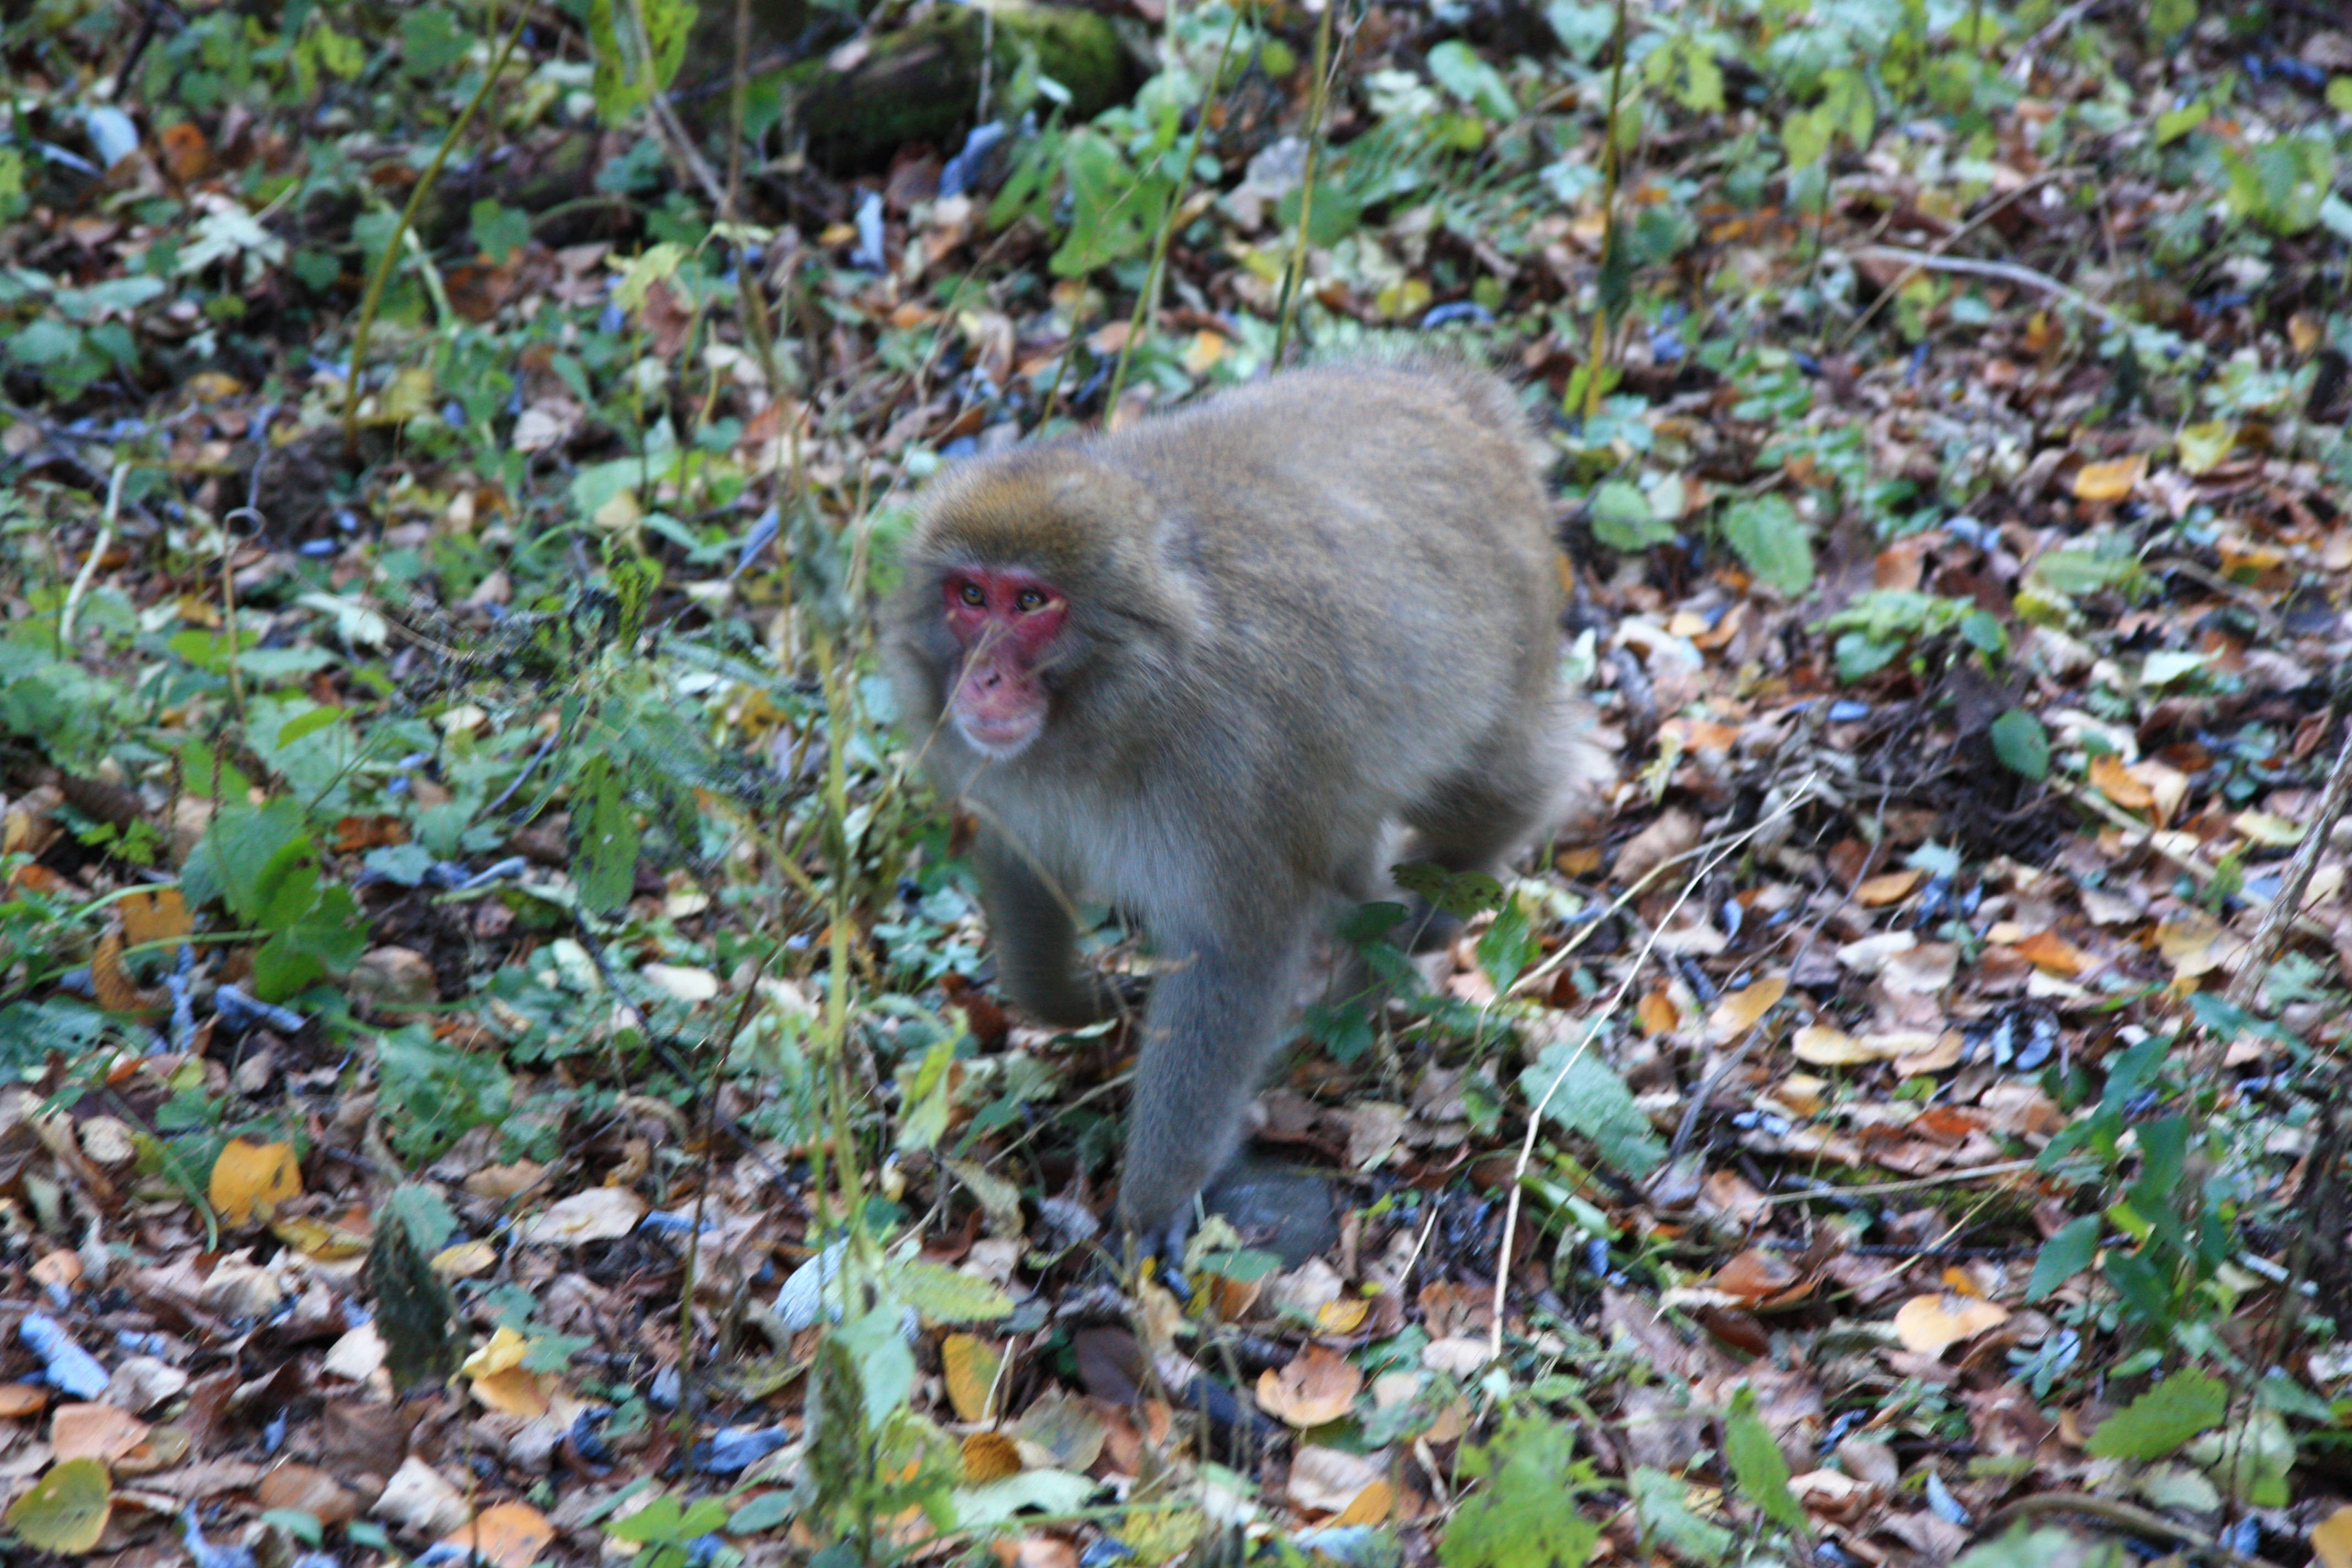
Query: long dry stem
column 1297, row 270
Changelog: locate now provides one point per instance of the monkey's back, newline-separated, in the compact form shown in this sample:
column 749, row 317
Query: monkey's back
column 1377, row 534
column 1334, row 598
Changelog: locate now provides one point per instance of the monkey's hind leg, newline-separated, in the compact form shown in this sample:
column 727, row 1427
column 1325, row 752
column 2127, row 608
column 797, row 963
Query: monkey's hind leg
column 1479, row 818
column 1036, row 941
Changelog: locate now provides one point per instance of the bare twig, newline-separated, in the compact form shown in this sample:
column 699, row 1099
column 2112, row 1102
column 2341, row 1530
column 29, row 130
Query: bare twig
column 2004, row 271
column 1720, row 852
column 97, row 548
column 2288, row 907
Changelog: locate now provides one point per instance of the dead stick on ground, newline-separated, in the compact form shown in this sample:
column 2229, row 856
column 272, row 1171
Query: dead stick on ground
column 2288, row 904
column 2138, row 1520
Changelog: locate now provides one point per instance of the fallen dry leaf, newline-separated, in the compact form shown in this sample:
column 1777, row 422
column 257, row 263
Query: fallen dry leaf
column 504, row 1536
column 250, row 1178
column 970, row 1365
column 1932, row 1323
column 1319, row 1385
column 1742, row 1009
column 2331, row 1539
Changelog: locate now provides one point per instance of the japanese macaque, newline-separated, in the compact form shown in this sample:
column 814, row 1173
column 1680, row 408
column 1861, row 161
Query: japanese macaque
column 1205, row 669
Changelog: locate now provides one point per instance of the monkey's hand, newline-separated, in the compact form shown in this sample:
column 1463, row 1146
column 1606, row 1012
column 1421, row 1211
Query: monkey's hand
column 1213, row 1021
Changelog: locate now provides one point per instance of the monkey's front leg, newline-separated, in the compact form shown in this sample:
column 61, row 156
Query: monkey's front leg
column 1035, row 939
column 1218, row 1011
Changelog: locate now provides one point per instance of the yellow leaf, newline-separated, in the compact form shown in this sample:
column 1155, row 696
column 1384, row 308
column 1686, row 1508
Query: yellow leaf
column 1342, row 1316
column 1929, row 1324
column 505, row 1352
column 2109, row 482
column 250, row 1177
column 66, row 1509
column 1205, row 349
column 1739, row 1012
column 1827, row 1047
column 971, row 1364
column 1372, row 1506
column 2331, row 1540
column 514, row 1391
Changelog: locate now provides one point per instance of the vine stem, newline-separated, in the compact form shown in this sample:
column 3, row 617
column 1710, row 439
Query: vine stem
column 1147, row 301
column 1296, row 270
column 425, row 184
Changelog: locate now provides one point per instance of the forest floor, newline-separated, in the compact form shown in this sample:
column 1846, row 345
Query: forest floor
column 498, row 1053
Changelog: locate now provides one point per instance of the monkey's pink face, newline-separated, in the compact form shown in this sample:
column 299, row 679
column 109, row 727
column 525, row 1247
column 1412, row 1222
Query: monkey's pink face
column 1003, row 619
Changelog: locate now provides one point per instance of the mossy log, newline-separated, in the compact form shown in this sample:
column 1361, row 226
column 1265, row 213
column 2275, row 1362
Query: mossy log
column 922, row 83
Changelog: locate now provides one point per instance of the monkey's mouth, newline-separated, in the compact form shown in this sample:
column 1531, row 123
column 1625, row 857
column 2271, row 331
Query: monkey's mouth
column 1001, row 736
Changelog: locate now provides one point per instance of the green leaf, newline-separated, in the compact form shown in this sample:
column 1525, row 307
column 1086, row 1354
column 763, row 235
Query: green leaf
column 1757, row 1463
column 605, row 858
column 877, row 1341
column 924, row 1099
column 944, row 1295
column 1459, row 893
column 415, row 1312
column 1582, row 27
column 2159, row 1421
column 2022, row 1548
column 1768, row 536
column 1525, row 1516
column 1668, row 1520
column 1622, row 517
column 1508, row 946
column 631, row 64
column 1460, row 72
column 2021, row 745
column 1592, row 1099
column 66, row 1511
column 2252, row 1458
column 2064, row 1254
column 431, row 40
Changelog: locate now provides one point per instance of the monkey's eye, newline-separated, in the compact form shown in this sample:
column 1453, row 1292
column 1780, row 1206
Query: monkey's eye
column 1029, row 601
column 974, row 594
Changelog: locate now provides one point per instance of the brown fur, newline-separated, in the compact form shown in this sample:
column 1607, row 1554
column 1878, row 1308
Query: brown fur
column 1302, row 612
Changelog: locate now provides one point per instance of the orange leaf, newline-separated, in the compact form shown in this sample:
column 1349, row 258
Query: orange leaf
column 505, row 1535
column 1888, row 887
column 1756, row 1275
column 1319, row 1386
column 159, row 914
column 99, row 1432
column 186, row 154
column 1741, row 1010
column 112, row 984
column 1655, row 1013
column 2049, row 951
column 989, row 1456
column 2114, row 780
column 254, row 1176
